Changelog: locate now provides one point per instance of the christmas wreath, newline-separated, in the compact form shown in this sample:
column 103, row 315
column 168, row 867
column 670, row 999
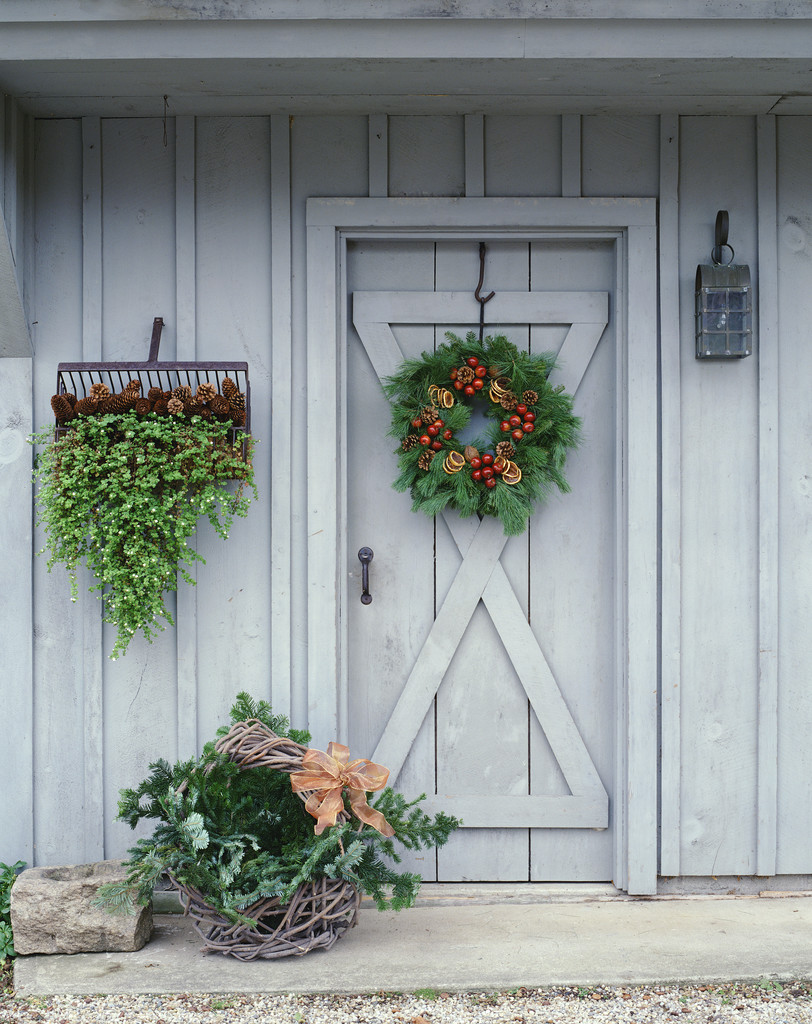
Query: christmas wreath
column 514, row 464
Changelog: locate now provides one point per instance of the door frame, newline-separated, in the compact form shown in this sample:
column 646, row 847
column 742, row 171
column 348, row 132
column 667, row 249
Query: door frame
column 631, row 223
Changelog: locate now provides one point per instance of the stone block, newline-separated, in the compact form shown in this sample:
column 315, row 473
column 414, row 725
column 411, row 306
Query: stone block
column 52, row 912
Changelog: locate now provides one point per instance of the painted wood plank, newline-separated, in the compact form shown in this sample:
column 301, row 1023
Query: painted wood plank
column 17, row 831
column 571, row 604
column 575, row 354
column 58, row 622
column 186, row 339
column 15, row 339
column 449, row 625
column 92, row 660
column 346, row 174
column 768, row 499
column 620, row 154
column 516, row 812
column 640, row 742
column 426, row 155
column 450, row 307
column 281, row 399
column 378, row 155
column 670, row 511
column 235, row 321
column 323, row 477
column 719, row 457
column 523, row 155
column 474, row 155
column 571, row 155
column 382, row 641
column 138, row 282
column 794, row 217
column 440, row 214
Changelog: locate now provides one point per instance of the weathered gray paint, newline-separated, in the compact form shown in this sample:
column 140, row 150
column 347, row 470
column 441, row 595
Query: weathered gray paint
column 243, row 215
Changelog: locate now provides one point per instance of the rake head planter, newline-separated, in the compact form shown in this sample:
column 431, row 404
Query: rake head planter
column 236, row 838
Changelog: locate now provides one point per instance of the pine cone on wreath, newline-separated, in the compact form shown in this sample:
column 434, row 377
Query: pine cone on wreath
column 63, row 410
column 530, row 397
column 465, row 374
column 206, row 391
column 425, row 459
column 429, row 414
column 509, row 401
column 505, row 449
column 409, row 442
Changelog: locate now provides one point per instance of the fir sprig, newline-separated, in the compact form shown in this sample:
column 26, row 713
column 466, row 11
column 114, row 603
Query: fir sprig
column 238, row 836
column 122, row 494
column 540, row 454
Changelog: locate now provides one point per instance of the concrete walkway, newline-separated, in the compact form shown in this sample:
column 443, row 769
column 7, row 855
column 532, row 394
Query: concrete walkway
column 475, row 939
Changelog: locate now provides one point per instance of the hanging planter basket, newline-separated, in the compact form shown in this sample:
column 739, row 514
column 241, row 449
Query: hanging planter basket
column 321, row 910
column 225, row 394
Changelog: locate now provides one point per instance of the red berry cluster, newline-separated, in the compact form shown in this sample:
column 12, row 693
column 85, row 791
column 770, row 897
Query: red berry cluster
column 477, row 384
column 485, row 467
column 522, row 422
column 433, row 433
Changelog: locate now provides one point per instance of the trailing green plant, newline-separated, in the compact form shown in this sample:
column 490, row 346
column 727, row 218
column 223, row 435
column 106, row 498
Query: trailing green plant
column 122, row 494
column 237, row 836
column 8, row 876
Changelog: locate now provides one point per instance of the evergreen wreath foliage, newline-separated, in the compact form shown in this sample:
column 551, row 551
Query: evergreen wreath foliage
column 241, row 835
column 438, row 470
column 123, row 493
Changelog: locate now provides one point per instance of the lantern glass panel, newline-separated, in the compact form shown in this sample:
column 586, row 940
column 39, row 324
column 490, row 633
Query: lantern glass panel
column 724, row 315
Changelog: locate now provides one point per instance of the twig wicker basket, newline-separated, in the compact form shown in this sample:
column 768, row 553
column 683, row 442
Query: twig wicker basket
column 320, row 911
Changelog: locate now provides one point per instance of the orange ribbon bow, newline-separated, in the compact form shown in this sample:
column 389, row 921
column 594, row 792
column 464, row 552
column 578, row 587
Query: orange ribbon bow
column 327, row 775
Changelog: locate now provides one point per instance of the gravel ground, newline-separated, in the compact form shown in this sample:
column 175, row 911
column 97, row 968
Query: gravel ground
column 767, row 1003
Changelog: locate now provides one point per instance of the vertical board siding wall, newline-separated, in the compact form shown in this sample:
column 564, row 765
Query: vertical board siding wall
column 208, row 231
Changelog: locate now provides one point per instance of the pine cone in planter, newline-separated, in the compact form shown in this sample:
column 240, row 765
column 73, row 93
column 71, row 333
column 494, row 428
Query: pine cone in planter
column 99, row 390
column 63, row 410
column 154, row 394
column 174, row 406
column 229, row 388
column 220, row 408
column 183, row 392
column 87, row 406
column 143, row 406
column 134, row 385
column 161, row 406
column 206, row 391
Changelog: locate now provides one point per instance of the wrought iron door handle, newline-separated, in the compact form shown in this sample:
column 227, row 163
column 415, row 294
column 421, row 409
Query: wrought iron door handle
column 365, row 556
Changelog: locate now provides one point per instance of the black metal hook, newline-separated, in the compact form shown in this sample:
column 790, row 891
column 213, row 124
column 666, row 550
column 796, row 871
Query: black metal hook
column 720, row 238
column 477, row 292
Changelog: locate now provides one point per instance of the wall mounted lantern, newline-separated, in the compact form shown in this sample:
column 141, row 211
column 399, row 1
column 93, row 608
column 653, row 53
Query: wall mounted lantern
column 724, row 305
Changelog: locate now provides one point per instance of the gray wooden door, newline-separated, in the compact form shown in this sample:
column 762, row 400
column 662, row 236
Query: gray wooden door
column 483, row 670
